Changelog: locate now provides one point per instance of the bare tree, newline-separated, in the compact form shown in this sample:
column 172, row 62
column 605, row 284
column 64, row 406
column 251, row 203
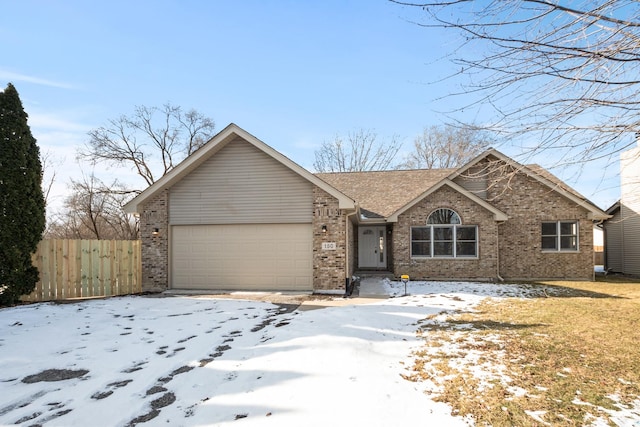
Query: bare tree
column 49, row 173
column 560, row 76
column 94, row 211
column 360, row 151
column 151, row 141
column 446, row 146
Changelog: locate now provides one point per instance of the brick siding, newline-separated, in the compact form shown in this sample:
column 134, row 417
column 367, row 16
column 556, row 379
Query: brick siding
column 328, row 265
column 484, row 267
column 155, row 247
column 528, row 203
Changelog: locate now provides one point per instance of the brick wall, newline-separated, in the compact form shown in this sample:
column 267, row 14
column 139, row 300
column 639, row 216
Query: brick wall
column 484, row 267
column 328, row 265
column 155, row 246
column 528, row 203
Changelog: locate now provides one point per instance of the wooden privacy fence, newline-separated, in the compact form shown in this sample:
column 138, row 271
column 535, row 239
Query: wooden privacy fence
column 86, row 268
column 598, row 255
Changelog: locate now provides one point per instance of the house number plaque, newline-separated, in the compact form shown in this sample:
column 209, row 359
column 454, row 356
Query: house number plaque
column 329, row 246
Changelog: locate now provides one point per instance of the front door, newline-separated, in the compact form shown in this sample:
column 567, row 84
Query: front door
column 372, row 247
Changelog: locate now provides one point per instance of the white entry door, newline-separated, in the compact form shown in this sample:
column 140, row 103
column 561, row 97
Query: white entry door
column 372, row 247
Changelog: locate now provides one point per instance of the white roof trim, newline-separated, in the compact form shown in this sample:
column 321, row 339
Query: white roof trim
column 595, row 212
column 498, row 215
column 613, row 208
column 214, row 145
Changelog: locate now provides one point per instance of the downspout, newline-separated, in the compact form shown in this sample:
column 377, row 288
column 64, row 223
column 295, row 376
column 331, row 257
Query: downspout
column 498, row 253
column 600, row 224
column 347, row 279
column 605, row 252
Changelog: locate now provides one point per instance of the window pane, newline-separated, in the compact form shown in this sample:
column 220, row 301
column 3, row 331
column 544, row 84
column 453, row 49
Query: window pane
column 420, row 233
column 442, row 233
column 549, row 229
column 443, row 216
column 442, row 249
column 569, row 243
column 466, row 249
column 420, row 249
column 549, row 242
column 568, row 228
column 466, row 233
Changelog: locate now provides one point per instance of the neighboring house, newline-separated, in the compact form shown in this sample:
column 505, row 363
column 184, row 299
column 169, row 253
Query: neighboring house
column 622, row 230
column 238, row 215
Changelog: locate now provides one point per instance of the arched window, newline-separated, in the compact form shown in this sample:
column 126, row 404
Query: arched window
column 444, row 237
column 444, row 216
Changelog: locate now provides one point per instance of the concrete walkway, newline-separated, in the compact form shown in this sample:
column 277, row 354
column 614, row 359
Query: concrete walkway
column 372, row 287
column 370, row 290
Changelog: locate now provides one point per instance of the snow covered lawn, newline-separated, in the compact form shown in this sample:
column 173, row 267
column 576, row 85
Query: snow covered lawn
column 197, row 361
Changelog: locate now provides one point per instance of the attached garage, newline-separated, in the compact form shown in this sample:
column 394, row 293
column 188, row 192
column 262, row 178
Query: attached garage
column 238, row 215
column 242, row 257
column 241, row 221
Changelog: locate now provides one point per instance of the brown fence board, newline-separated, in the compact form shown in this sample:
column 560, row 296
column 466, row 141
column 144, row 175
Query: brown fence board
column 86, row 268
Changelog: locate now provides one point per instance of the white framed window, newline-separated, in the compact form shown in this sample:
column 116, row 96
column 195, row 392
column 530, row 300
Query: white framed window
column 560, row 236
column 444, row 236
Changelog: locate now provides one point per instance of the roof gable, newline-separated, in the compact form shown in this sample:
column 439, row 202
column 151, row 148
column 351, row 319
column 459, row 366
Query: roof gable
column 384, row 195
column 498, row 215
column 539, row 174
column 613, row 208
column 216, row 143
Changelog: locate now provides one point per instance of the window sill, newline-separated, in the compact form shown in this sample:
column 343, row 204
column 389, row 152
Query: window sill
column 460, row 258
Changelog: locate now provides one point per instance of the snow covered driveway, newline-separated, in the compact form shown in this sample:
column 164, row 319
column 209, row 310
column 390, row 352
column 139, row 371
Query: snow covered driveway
column 190, row 361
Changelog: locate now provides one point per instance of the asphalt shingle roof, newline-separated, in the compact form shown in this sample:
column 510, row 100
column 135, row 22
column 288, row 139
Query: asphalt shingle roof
column 382, row 193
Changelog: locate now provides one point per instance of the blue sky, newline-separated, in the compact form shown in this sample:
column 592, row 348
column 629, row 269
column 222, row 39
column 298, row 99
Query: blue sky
column 292, row 73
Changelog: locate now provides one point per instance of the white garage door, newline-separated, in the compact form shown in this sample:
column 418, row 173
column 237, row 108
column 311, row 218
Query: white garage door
column 242, row 257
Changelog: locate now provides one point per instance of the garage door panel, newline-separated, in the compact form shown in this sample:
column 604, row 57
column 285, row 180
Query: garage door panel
column 242, row 257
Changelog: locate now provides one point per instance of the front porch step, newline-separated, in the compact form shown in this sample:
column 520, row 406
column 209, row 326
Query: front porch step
column 374, row 274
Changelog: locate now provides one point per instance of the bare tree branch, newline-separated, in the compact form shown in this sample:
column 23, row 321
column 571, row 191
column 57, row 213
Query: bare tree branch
column 552, row 75
column 446, row 146
column 361, row 151
column 151, row 141
column 94, row 211
column 49, row 173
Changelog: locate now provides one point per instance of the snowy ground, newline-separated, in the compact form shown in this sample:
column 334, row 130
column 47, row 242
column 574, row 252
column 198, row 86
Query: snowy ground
column 196, row 361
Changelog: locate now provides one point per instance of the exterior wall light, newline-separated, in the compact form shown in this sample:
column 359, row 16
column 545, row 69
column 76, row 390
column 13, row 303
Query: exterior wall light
column 155, row 231
column 324, row 228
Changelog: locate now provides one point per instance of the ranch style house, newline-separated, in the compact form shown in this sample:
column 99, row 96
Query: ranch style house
column 239, row 215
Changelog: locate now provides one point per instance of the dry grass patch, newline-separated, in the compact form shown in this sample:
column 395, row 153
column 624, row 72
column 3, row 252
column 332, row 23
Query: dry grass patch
column 568, row 357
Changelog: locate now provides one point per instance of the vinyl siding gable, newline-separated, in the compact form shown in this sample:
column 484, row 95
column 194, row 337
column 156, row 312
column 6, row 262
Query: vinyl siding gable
column 630, row 239
column 476, row 185
column 241, row 184
column 630, row 209
column 614, row 242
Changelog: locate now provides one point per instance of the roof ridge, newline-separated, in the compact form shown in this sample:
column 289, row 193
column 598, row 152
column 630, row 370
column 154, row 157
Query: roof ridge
column 386, row 171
